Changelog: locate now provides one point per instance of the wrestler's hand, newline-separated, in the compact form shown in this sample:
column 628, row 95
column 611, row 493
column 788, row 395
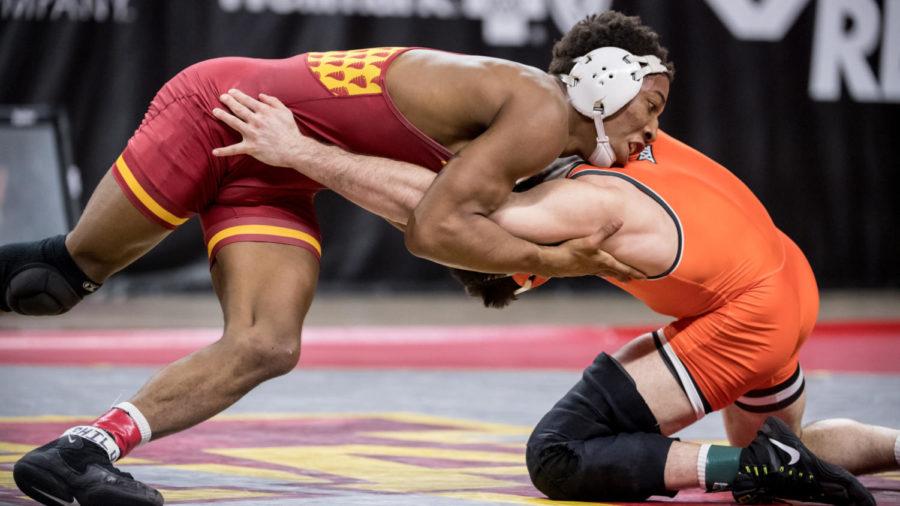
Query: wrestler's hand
column 270, row 133
column 583, row 257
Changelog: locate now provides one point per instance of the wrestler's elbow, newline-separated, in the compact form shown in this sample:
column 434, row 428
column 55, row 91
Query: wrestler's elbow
column 422, row 238
column 429, row 235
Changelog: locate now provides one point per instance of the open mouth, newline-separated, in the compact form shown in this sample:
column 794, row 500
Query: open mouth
column 634, row 148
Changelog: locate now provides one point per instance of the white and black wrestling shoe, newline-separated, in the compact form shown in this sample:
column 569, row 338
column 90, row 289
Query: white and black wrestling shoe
column 74, row 471
column 777, row 465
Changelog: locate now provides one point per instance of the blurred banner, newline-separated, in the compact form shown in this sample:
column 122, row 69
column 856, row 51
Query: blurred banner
column 800, row 98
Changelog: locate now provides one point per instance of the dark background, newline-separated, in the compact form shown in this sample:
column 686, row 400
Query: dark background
column 825, row 168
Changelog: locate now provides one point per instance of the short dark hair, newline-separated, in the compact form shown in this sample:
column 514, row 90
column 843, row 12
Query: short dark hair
column 494, row 290
column 610, row 28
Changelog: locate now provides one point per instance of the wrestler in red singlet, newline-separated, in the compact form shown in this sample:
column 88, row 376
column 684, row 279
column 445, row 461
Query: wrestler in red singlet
column 169, row 173
column 743, row 294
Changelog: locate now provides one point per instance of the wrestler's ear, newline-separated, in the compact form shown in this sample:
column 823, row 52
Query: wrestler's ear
column 494, row 290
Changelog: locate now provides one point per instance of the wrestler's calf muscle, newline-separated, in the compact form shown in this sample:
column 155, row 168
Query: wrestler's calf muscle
column 857, row 447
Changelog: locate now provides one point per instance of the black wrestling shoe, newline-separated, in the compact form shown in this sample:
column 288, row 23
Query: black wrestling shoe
column 778, row 465
column 73, row 471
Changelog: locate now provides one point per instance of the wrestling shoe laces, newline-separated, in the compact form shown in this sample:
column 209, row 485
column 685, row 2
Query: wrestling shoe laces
column 74, row 471
column 777, row 465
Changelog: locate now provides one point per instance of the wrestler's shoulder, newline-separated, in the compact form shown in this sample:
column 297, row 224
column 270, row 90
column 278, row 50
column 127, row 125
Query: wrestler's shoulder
column 484, row 70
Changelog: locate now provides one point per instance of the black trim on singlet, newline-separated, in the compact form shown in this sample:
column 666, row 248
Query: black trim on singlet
column 777, row 388
column 665, row 358
column 650, row 193
column 707, row 408
column 775, row 406
column 768, row 408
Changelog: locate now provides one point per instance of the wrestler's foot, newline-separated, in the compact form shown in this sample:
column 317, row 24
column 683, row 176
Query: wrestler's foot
column 72, row 471
column 778, row 465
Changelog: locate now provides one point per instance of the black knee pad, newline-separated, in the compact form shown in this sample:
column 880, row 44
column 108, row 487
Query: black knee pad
column 600, row 442
column 40, row 289
column 40, row 278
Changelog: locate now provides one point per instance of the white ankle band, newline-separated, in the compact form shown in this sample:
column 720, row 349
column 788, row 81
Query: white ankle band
column 97, row 436
column 139, row 420
column 701, row 465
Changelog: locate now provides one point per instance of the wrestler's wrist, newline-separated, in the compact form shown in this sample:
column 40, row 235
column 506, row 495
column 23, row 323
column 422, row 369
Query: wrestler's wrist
column 303, row 151
column 307, row 156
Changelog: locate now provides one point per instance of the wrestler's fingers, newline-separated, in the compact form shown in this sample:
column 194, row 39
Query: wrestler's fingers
column 619, row 277
column 615, row 275
column 272, row 101
column 620, row 271
column 624, row 273
column 245, row 99
column 239, row 109
column 611, row 273
column 634, row 273
column 230, row 120
column 232, row 150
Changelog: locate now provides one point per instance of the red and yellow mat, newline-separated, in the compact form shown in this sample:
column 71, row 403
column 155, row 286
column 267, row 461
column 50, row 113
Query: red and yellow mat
column 378, row 458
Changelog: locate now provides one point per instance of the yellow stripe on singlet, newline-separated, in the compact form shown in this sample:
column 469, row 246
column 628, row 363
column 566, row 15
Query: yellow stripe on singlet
column 145, row 197
column 263, row 230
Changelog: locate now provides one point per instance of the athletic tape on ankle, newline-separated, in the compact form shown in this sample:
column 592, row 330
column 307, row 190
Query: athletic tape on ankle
column 722, row 464
column 701, row 465
column 139, row 420
column 97, row 436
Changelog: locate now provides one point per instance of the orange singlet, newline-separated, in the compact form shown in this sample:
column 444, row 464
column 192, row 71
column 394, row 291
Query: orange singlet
column 743, row 294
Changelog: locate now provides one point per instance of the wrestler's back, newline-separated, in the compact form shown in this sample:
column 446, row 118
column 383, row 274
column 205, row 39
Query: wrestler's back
column 454, row 97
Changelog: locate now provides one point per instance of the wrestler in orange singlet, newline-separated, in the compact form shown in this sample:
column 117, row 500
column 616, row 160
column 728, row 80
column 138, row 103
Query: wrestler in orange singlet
column 744, row 296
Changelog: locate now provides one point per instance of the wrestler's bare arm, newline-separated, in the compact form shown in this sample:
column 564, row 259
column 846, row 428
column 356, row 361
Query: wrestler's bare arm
column 385, row 187
column 556, row 211
column 550, row 213
column 393, row 189
column 451, row 226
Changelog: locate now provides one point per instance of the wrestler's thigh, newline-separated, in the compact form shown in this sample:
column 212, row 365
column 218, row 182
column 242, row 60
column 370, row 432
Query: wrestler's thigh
column 111, row 233
column 656, row 384
column 741, row 425
column 267, row 287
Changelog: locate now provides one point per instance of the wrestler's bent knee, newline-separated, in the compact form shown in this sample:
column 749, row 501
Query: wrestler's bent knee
column 600, row 442
column 41, row 278
column 551, row 465
column 266, row 354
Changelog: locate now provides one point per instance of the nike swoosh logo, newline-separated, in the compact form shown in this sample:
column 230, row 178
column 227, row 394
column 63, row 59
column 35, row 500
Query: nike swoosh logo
column 56, row 499
column 792, row 452
column 70, row 440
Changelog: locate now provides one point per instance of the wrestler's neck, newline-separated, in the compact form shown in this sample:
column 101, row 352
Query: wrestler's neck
column 582, row 135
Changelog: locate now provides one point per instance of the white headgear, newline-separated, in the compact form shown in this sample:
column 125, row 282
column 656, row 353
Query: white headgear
column 602, row 82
